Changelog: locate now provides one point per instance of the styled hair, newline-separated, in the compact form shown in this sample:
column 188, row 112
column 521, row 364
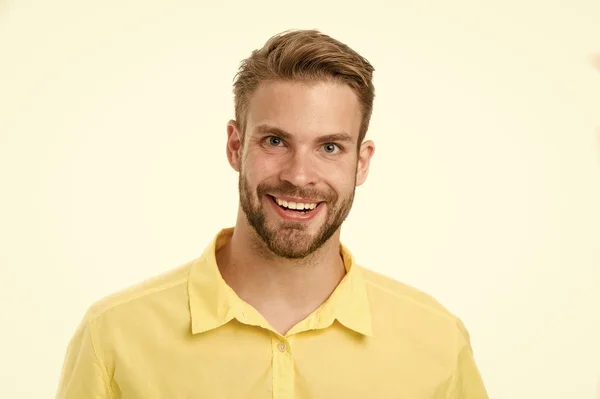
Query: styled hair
column 304, row 56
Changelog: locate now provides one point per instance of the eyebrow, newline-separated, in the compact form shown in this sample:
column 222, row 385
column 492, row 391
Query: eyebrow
column 327, row 138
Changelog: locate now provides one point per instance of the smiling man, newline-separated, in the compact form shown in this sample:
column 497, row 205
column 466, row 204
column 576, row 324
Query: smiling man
column 276, row 306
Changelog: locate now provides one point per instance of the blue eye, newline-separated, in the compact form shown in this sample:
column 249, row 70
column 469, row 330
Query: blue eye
column 330, row 147
column 275, row 141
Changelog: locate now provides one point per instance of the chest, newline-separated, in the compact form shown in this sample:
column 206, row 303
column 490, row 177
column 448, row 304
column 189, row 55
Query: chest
column 266, row 366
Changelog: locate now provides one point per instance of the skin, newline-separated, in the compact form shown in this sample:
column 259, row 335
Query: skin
column 287, row 269
column 595, row 61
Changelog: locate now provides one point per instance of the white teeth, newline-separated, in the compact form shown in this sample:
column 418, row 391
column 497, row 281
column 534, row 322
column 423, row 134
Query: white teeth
column 295, row 205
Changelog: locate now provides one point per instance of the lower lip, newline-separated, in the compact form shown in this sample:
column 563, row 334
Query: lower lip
column 294, row 215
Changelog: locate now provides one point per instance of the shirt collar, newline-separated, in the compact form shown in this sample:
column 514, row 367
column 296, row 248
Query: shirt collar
column 213, row 303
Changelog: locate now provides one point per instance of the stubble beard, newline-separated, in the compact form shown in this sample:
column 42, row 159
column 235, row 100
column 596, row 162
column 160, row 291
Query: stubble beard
column 289, row 239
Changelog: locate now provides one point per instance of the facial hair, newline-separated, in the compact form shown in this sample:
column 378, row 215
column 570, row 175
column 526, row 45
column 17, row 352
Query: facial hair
column 289, row 239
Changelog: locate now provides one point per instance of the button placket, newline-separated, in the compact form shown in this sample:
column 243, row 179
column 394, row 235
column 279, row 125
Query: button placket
column 283, row 369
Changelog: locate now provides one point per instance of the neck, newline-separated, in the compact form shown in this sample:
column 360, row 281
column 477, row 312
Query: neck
column 285, row 291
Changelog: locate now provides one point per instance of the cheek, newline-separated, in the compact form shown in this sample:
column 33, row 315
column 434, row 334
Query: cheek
column 342, row 179
column 261, row 165
column 259, row 169
column 345, row 186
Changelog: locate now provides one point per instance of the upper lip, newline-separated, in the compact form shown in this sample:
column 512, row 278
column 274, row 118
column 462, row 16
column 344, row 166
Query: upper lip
column 296, row 199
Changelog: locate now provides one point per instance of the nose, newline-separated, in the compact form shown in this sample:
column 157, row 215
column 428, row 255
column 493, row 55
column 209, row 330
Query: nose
column 299, row 169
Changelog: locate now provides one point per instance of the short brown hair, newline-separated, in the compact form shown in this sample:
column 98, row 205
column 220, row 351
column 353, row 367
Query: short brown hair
column 305, row 55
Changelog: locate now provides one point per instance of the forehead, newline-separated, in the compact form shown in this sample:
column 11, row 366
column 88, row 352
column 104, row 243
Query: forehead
column 305, row 109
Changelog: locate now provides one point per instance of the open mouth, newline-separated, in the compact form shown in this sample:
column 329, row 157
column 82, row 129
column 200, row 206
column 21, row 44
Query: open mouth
column 296, row 207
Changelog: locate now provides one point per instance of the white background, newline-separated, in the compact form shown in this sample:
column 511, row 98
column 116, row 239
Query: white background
column 484, row 190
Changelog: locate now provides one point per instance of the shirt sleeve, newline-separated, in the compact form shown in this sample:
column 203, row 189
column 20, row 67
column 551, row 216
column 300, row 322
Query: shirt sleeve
column 83, row 376
column 466, row 380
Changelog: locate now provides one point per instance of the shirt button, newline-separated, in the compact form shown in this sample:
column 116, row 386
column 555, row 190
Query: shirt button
column 282, row 347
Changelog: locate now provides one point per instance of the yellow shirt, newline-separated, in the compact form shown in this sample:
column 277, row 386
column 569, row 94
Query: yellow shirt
column 187, row 335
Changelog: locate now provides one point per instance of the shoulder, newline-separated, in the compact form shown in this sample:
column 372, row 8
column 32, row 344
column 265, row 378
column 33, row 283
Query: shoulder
column 170, row 285
column 396, row 291
column 394, row 300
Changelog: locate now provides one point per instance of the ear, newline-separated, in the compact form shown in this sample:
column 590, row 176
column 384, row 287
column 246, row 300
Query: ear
column 595, row 61
column 366, row 151
column 234, row 145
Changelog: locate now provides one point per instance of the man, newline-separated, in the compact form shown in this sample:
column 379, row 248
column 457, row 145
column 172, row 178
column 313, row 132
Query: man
column 276, row 307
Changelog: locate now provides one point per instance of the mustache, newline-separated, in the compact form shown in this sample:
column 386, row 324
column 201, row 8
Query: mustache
column 287, row 188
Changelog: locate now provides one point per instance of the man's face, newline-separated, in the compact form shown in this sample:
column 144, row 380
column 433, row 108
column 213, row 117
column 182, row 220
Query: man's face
column 300, row 151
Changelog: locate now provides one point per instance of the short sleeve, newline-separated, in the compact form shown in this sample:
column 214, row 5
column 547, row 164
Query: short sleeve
column 466, row 380
column 83, row 376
